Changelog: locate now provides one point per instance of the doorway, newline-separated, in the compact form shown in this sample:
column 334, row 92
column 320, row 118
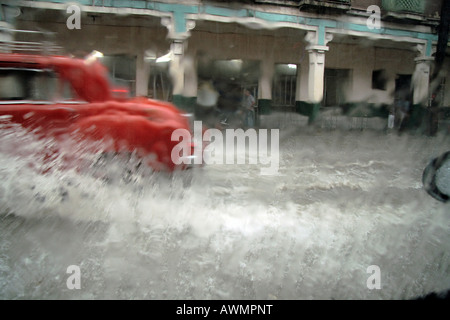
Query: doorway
column 336, row 82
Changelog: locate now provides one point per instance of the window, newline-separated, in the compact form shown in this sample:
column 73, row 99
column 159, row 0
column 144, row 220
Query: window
column 336, row 85
column 379, row 79
column 284, row 86
column 33, row 84
column 122, row 71
column 13, row 85
column 160, row 83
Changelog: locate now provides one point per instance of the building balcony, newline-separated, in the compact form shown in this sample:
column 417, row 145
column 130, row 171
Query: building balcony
column 325, row 5
column 404, row 6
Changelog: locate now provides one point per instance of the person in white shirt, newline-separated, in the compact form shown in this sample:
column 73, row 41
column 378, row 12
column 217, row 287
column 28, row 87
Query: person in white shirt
column 249, row 105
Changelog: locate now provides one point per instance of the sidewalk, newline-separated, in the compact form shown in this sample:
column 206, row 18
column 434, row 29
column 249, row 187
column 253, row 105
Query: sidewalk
column 333, row 120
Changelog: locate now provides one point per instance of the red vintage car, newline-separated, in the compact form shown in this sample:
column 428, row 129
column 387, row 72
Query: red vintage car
column 68, row 99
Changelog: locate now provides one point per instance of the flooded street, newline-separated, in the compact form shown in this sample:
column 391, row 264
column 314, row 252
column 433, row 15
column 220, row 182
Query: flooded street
column 343, row 200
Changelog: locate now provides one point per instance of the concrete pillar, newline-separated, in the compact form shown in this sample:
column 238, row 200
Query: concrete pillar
column 176, row 67
column 182, row 70
column 142, row 74
column 184, row 76
column 316, row 50
column 421, row 80
column 190, row 76
column 316, row 73
column 420, row 115
column 309, row 102
column 266, row 79
column 265, row 82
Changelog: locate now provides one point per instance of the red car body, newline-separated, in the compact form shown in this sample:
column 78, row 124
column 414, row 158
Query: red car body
column 93, row 112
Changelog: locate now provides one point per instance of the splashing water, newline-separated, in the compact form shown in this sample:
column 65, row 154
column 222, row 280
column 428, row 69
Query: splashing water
column 342, row 201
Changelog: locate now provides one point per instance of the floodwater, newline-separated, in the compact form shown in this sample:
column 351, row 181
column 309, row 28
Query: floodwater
column 343, row 200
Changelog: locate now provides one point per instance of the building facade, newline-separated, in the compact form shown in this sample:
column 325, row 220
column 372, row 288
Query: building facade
column 304, row 56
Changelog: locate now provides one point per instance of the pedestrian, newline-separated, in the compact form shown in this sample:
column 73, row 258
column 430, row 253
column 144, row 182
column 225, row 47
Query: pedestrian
column 391, row 118
column 404, row 108
column 249, row 105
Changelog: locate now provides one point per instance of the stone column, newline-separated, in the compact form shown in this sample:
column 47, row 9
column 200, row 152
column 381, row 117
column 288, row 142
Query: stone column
column 315, row 80
column 183, row 72
column 180, row 71
column 316, row 51
column 142, row 74
column 420, row 114
column 176, row 68
column 190, row 68
column 316, row 73
column 265, row 86
column 190, row 75
column 421, row 80
column 190, row 90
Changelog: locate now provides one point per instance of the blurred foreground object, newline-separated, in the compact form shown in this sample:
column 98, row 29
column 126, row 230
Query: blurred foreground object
column 436, row 177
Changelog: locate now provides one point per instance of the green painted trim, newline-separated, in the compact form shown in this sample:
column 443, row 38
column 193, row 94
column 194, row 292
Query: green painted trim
column 224, row 12
column 303, row 108
column 139, row 4
column 179, row 13
column 314, row 112
column 185, row 103
column 321, row 35
column 180, row 22
column 429, row 49
column 264, row 106
column 308, row 109
column 417, row 115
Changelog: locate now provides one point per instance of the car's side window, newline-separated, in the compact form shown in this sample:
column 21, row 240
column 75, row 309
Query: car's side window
column 12, row 85
column 42, row 86
column 65, row 91
column 34, row 85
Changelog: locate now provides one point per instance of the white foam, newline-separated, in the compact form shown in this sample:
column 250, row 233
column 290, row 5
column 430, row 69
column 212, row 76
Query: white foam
column 344, row 201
